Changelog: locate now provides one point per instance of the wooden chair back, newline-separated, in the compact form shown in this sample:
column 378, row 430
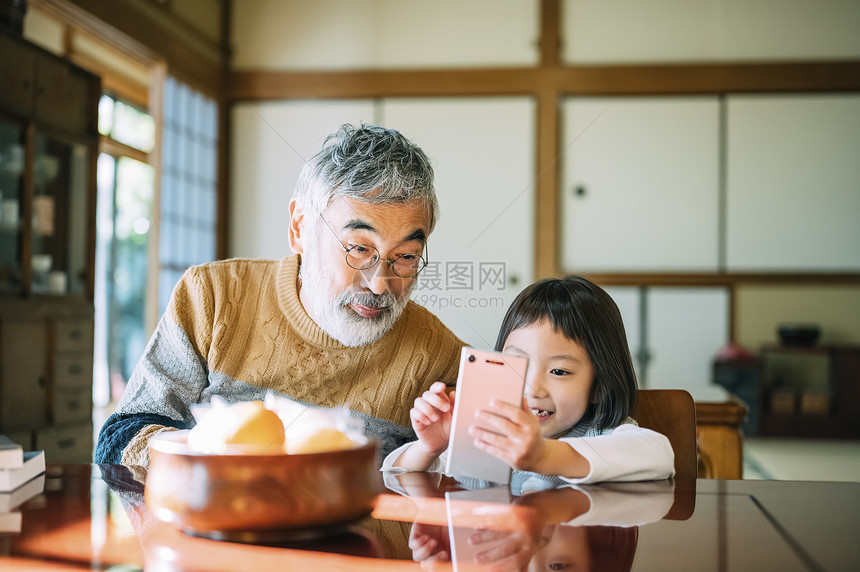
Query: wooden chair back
column 672, row 413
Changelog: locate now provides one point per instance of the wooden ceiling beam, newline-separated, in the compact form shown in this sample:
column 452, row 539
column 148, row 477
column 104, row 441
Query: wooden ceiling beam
column 669, row 79
column 262, row 85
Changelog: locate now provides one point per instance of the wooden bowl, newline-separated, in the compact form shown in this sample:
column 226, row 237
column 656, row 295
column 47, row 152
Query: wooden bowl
column 212, row 495
column 801, row 335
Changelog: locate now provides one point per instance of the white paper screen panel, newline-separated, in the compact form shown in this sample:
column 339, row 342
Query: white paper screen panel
column 483, row 156
column 374, row 34
column 793, row 183
column 270, row 143
column 640, row 182
column 621, row 31
column 686, row 328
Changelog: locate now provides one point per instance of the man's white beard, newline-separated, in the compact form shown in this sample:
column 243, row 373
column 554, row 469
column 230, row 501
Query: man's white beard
column 329, row 308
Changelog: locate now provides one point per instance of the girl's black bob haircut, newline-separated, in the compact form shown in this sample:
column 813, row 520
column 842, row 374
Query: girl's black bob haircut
column 584, row 313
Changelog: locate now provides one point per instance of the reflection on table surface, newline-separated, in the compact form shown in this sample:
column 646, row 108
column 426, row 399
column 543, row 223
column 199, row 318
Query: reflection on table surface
column 94, row 517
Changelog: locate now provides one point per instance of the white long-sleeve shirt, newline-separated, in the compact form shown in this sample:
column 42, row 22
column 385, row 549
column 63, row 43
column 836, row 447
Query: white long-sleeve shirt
column 626, row 453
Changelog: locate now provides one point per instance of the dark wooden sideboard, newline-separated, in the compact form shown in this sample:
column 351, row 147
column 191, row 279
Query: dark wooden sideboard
column 797, row 391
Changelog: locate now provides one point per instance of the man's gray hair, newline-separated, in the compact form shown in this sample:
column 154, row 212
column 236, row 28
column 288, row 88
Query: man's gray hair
column 370, row 164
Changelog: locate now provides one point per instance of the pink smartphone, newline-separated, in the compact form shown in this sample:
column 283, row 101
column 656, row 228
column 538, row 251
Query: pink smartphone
column 484, row 375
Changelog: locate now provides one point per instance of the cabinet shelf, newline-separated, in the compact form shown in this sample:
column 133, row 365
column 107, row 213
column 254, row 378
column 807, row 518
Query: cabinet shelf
column 8, row 170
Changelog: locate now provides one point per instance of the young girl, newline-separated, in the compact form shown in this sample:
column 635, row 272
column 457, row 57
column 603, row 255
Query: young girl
column 580, row 389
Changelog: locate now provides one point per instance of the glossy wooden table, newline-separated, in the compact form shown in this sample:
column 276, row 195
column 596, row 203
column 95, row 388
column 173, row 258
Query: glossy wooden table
column 92, row 517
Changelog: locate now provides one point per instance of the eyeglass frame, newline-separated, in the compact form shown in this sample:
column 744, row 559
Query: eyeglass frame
column 424, row 258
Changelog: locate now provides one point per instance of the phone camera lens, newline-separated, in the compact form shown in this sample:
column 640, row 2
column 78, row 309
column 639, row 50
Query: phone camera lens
column 471, row 358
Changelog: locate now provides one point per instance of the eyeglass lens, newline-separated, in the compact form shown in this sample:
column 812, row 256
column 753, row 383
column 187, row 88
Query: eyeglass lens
column 362, row 257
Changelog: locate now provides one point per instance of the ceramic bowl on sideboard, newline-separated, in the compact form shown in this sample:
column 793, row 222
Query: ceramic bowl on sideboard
column 802, row 335
column 211, row 495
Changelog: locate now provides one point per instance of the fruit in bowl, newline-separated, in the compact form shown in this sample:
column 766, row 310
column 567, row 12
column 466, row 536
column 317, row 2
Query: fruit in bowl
column 235, row 476
column 248, row 425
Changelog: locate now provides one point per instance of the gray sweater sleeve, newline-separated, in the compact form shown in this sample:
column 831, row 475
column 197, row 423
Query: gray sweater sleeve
column 169, row 378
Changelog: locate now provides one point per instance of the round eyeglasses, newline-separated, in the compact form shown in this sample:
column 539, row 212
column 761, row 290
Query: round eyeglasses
column 364, row 256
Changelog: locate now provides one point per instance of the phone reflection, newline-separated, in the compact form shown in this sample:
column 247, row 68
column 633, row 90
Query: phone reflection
column 536, row 523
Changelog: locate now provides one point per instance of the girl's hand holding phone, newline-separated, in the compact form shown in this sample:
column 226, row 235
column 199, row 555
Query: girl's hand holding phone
column 431, row 417
column 515, row 437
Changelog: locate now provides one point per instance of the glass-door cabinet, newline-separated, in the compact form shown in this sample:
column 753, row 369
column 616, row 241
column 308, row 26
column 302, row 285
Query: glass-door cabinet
column 12, row 151
column 48, row 144
column 58, row 257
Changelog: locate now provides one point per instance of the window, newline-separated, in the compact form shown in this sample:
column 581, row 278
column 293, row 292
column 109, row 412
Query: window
column 123, row 223
column 188, row 185
column 126, row 219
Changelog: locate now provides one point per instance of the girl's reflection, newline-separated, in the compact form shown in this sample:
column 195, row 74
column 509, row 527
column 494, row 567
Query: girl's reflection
column 581, row 548
column 541, row 528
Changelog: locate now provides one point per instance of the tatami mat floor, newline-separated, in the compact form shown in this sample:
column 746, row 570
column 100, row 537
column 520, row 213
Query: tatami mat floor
column 801, row 459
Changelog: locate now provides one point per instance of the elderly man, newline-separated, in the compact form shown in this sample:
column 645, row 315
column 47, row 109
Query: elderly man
column 330, row 326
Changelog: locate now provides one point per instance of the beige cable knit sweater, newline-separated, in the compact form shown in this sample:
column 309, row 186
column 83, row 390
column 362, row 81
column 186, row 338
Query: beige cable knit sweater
column 236, row 328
